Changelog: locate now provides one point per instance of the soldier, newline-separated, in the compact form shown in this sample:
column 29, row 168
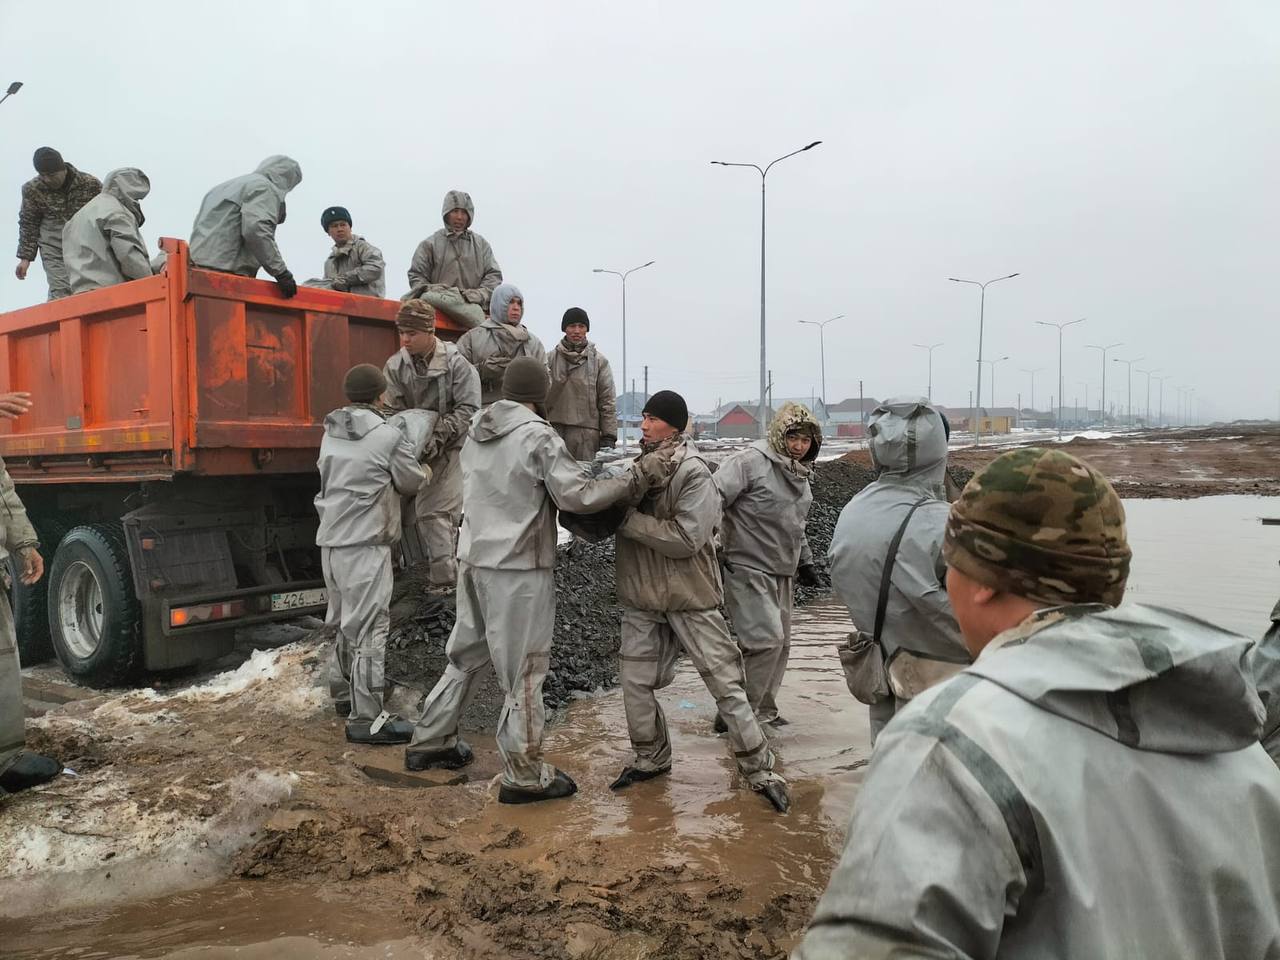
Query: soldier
column 668, row 582
column 354, row 265
column 499, row 340
column 1092, row 786
column 455, row 266
column 918, row 640
column 364, row 463
column 432, row 374
column 48, row 201
column 516, row 473
column 102, row 243
column 235, row 230
column 765, row 494
column 19, row 768
column 581, row 402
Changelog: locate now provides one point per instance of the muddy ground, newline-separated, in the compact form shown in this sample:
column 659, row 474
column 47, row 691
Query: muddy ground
column 1171, row 463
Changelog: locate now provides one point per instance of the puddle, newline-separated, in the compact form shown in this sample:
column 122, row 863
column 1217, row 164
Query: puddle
column 1210, row 557
column 241, row 920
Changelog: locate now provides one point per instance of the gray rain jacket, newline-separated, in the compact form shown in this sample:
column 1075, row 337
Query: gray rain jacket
column 17, row 529
column 449, row 386
column 666, row 551
column 1264, row 659
column 581, row 393
column 909, row 446
column 495, row 343
column 360, row 264
column 235, row 230
column 102, row 244
column 364, row 463
column 515, row 472
column 461, row 260
column 1091, row 786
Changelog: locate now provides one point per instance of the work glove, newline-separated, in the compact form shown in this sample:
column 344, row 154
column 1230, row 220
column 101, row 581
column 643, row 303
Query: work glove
column 807, row 575
column 341, row 284
column 430, row 449
column 288, row 286
column 607, row 442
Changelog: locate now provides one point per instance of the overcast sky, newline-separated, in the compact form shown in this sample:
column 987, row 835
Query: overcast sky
column 1121, row 156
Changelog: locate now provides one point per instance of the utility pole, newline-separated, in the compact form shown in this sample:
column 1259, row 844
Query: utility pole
column 1061, row 327
column 1104, row 349
column 982, row 306
column 930, row 347
column 764, row 173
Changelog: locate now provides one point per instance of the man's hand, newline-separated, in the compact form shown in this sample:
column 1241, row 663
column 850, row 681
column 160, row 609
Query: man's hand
column 32, row 565
column 342, row 285
column 430, row 449
column 807, row 575
column 607, row 442
column 14, row 405
column 21, row 271
column 288, row 286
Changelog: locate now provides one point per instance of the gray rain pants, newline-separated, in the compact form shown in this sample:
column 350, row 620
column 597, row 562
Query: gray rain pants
column 359, row 581
column 760, row 605
column 583, row 442
column 437, row 511
column 55, row 270
column 650, row 644
column 505, row 617
column 12, row 730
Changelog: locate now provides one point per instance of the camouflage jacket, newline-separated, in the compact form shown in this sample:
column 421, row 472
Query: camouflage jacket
column 56, row 203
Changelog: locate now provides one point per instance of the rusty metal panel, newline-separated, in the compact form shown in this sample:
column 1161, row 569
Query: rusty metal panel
column 329, row 338
column 35, row 365
column 275, row 365
column 221, row 378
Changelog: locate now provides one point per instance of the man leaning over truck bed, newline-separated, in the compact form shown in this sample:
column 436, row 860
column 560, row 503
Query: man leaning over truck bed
column 19, row 768
column 430, row 374
column 235, row 230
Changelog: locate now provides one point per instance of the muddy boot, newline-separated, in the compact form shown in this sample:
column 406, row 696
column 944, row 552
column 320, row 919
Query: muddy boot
column 449, row 758
column 384, row 730
column 342, row 708
column 561, row 785
column 720, row 726
column 28, row 770
column 778, row 721
column 631, row 775
column 777, row 793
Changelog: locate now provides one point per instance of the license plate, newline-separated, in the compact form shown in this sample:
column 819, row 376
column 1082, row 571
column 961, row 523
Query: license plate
column 299, row 598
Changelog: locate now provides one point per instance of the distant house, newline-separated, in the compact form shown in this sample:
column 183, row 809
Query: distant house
column 739, row 421
column 629, row 406
column 993, row 419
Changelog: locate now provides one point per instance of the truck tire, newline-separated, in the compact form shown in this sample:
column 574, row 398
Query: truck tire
column 94, row 615
column 30, row 603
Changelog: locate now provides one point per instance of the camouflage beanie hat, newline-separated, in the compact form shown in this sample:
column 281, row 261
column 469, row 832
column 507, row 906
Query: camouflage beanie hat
column 416, row 315
column 1042, row 525
column 364, row 383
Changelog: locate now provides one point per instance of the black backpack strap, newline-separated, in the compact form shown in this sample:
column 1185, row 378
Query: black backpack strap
column 889, row 559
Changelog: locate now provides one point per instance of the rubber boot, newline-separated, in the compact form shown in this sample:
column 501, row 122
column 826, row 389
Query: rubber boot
column 720, row 726
column 28, row 770
column 631, row 775
column 380, row 732
column 561, row 785
column 777, row 793
column 342, row 708
column 449, row 758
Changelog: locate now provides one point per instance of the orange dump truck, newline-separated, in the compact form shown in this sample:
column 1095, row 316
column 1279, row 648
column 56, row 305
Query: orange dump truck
column 169, row 461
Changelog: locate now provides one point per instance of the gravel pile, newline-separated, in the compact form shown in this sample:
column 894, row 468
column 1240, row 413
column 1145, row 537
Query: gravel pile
column 584, row 651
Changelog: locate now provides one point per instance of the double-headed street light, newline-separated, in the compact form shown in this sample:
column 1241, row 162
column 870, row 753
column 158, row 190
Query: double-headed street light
column 992, row 388
column 1148, row 374
column 626, row 395
column 1104, row 349
column 930, row 347
column 1129, row 389
column 982, row 306
column 822, row 353
column 13, row 88
column 1033, row 384
column 1160, row 415
column 1061, row 327
column 764, row 172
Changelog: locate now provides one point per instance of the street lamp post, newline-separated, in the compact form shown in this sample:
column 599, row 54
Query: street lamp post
column 992, row 387
column 1149, row 373
column 1160, row 414
column 1129, row 390
column 1104, row 349
column 982, row 306
column 764, row 173
column 930, row 347
column 1085, row 384
column 626, row 396
column 822, row 353
column 1033, row 384
column 1061, row 327
column 13, row 88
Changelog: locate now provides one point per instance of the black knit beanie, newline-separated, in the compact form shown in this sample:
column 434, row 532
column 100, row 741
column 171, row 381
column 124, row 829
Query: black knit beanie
column 575, row 315
column 363, row 383
column 668, row 406
column 48, row 160
column 332, row 214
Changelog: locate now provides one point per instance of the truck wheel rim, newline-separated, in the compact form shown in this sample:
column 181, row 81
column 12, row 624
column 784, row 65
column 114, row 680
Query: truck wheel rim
column 80, row 609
